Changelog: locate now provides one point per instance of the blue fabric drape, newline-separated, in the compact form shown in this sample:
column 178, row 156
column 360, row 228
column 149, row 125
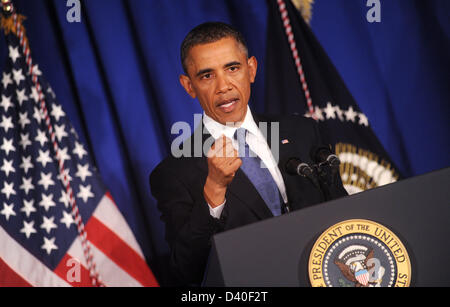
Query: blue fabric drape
column 116, row 75
column 398, row 70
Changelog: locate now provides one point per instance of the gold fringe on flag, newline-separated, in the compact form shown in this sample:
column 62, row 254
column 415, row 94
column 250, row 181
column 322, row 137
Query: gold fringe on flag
column 361, row 169
column 305, row 8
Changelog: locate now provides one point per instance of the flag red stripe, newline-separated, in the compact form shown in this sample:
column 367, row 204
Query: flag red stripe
column 67, row 270
column 119, row 252
column 9, row 278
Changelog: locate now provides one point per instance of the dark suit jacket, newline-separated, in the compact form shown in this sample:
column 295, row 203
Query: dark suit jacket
column 177, row 184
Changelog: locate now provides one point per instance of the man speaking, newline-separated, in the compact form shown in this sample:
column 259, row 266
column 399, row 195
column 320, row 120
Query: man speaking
column 239, row 180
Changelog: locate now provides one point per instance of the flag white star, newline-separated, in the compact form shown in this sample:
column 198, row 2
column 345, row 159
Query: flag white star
column 48, row 223
column 24, row 140
column 72, row 130
column 51, row 92
column 41, row 137
column 57, row 112
column 26, row 164
column 46, row 180
column 79, row 150
column 6, row 123
column 307, row 114
column 6, row 80
column 83, row 171
column 28, row 229
column 67, row 219
column 62, row 154
column 8, row 189
column 28, row 207
column 35, row 94
column 18, row 76
column 363, row 120
column 8, row 211
column 60, row 132
column 47, row 201
column 7, row 146
column 85, row 193
column 14, row 53
column 23, row 119
column 350, row 114
column 7, row 167
column 38, row 116
column 65, row 176
column 339, row 113
column 329, row 111
column 44, row 157
column 6, row 103
column 26, row 185
column 49, row 245
column 36, row 70
column 21, row 97
column 65, row 199
column 318, row 113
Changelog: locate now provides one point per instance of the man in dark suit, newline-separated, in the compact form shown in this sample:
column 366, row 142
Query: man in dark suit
column 241, row 178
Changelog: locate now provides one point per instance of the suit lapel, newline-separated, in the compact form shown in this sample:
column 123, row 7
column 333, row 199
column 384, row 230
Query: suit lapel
column 280, row 142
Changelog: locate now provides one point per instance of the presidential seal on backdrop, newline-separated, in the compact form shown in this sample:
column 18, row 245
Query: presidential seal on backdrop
column 359, row 253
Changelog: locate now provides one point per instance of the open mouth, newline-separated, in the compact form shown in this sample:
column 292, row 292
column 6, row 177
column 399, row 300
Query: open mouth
column 228, row 105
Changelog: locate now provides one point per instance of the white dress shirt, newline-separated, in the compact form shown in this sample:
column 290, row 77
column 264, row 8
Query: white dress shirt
column 256, row 142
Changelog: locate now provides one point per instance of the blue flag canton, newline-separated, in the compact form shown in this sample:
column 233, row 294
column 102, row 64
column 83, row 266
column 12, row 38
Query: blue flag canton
column 34, row 205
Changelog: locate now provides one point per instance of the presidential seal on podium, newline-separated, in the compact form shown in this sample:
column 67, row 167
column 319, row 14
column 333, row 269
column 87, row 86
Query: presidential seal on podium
column 359, row 253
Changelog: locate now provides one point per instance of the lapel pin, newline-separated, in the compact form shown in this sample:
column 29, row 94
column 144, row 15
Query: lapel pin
column 285, row 141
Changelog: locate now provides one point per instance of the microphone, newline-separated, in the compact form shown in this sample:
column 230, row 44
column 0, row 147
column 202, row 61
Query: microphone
column 327, row 165
column 295, row 166
column 326, row 160
column 323, row 154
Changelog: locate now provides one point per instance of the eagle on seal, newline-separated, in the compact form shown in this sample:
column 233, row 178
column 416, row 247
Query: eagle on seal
column 353, row 264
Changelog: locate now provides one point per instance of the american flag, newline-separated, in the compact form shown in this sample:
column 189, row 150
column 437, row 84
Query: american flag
column 47, row 237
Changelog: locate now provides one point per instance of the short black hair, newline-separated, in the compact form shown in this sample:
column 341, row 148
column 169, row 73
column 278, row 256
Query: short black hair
column 208, row 32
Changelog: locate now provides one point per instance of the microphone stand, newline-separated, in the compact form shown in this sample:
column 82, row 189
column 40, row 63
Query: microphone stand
column 330, row 181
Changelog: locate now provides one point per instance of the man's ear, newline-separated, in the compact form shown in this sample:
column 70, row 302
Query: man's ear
column 187, row 84
column 252, row 68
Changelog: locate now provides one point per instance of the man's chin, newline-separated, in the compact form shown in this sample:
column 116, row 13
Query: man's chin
column 231, row 119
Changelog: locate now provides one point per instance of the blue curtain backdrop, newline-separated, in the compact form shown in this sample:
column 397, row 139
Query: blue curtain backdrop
column 116, row 75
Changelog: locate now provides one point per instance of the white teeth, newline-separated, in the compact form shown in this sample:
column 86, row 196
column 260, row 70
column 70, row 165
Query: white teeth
column 228, row 104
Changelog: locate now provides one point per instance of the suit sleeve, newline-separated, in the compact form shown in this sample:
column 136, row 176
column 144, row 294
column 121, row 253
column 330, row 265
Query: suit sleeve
column 188, row 223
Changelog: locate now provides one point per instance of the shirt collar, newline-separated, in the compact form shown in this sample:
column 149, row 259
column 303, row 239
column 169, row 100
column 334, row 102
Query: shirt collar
column 216, row 129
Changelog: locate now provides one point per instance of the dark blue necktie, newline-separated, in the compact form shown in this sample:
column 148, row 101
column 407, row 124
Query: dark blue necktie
column 258, row 174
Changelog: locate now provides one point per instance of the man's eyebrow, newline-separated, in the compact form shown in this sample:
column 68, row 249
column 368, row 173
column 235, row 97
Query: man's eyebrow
column 234, row 63
column 208, row 70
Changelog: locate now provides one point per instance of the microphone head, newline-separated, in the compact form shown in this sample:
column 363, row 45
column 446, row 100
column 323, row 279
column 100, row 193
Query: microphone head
column 320, row 153
column 292, row 165
column 333, row 160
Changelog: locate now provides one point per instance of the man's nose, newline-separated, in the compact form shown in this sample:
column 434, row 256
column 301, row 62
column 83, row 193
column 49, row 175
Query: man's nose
column 223, row 84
